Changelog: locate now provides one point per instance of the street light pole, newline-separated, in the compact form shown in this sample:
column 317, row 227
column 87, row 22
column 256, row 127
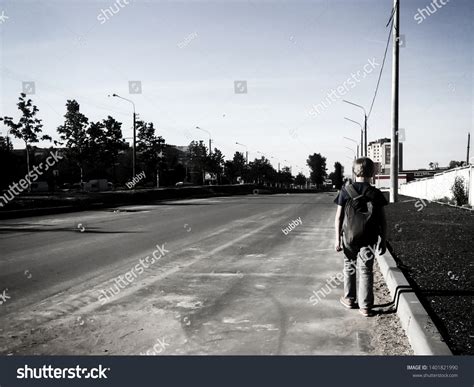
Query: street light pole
column 246, row 152
column 210, row 141
column 394, row 140
column 351, row 150
column 364, row 147
column 134, row 151
column 360, row 154
column 357, row 144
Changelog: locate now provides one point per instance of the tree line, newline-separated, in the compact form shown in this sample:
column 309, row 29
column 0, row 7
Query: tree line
column 97, row 150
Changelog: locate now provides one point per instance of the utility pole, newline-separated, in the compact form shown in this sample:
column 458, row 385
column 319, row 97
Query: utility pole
column 468, row 147
column 134, row 153
column 365, row 135
column 395, row 73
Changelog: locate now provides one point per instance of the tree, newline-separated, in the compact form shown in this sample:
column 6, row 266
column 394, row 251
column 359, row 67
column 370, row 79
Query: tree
column 261, row 171
column 104, row 145
column 74, row 133
column 28, row 128
column 113, row 142
column 215, row 163
column 455, row 164
column 317, row 164
column 235, row 168
column 5, row 145
column 338, row 175
column 300, row 179
column 285, row 177
column 197, row 160
column 150, row 148
column 459, row 191
column 433, row 165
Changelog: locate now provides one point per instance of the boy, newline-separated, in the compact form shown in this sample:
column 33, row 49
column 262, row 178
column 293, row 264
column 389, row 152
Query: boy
column 360, row 220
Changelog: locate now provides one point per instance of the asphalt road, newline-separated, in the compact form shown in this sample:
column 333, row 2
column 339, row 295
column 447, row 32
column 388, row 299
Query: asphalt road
column 228, row 280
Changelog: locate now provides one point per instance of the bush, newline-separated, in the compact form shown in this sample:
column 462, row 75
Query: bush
column 459, row 191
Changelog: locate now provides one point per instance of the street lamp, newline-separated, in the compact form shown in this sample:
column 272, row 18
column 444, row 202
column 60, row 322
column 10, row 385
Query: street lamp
column 210, row 141
column 365, row 125
column 246, row 151
column 134, row 152
column 361, row 135
column 357, row 144
column 352, row 150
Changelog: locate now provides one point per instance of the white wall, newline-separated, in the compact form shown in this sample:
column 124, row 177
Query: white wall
column 439, row 186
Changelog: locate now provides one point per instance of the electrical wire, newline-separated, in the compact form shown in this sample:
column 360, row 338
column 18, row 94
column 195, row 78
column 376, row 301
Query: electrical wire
column 390, row 22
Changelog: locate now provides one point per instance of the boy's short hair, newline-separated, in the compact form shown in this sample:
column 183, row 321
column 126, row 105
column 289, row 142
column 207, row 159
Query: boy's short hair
column 363, row 167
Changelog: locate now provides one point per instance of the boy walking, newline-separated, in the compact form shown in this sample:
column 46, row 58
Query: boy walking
column 360, row 221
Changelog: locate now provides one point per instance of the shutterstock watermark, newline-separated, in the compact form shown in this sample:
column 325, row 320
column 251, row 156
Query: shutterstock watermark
column 187, row 40
column 121, row 282
column 336, row 280
column 50, row 372
column 429, row 10
column 106, row 14
column 158, row 348
column 334, row 94
column 16, row 189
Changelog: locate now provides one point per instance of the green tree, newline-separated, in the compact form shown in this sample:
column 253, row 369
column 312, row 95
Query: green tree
column 317, row 163
column 28, row 128
column 73, row 134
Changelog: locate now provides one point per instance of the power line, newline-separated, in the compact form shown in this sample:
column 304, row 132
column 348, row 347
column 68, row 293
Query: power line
column 383, row 62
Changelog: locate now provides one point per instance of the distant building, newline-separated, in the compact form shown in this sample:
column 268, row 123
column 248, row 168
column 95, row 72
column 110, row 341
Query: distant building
column 379, row 151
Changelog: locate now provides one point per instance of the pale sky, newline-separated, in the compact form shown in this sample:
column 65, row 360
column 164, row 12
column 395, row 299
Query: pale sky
column 187, row 54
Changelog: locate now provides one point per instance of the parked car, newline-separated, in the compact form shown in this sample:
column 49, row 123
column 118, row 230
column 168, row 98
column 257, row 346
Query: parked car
column 183, row 184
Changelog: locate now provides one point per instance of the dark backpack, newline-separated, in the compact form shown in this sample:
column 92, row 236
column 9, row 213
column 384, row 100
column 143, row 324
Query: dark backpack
column 360, row 226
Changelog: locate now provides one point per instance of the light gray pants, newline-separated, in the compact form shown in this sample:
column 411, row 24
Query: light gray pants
column 359, row 259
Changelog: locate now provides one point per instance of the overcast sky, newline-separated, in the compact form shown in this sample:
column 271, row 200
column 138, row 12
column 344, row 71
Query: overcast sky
column 188, row 54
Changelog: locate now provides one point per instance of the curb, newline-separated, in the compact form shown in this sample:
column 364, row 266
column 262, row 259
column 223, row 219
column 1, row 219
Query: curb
column 452, row 205
column 423, row 335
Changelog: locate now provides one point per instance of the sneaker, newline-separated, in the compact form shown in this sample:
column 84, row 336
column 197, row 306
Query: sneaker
column 366, row 312
column 348, row 303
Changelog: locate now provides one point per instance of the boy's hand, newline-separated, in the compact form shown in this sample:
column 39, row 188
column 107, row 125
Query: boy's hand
column 337, row 246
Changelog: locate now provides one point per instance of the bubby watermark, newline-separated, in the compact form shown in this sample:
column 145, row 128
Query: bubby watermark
column 136, row 179
column 16, row 189
column 292, row 225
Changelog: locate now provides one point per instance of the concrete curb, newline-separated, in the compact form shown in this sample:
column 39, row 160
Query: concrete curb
column 423, row 335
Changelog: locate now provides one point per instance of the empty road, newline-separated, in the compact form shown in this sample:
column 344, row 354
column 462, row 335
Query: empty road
column 226, row 280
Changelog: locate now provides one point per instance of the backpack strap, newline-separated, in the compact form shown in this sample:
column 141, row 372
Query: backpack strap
column 352, row 192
